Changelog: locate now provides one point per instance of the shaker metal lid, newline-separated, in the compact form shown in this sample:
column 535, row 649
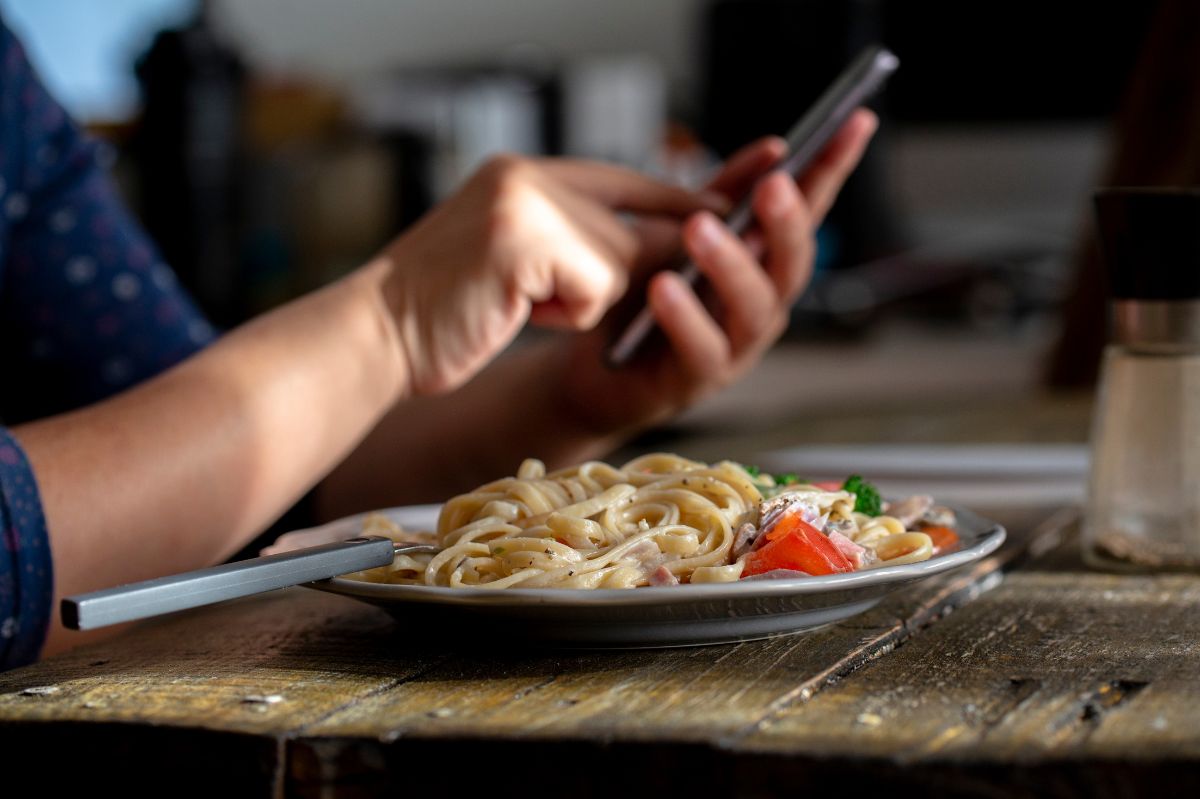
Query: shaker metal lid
column 1151, row 242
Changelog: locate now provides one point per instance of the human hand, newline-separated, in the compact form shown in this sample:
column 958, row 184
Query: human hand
column 753, row 281
column 523, row 239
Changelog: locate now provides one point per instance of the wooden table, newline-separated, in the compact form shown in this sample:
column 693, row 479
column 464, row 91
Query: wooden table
column 1024, row 674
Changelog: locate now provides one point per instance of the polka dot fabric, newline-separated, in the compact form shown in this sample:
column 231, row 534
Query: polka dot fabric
column 26, row 588
column 87, row 308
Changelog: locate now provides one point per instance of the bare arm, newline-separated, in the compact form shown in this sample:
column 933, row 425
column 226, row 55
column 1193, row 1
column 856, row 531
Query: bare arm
column 182, row 470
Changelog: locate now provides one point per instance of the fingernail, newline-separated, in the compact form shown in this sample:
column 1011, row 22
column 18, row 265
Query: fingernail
column 705, row 232
column 778, row 147
column 873, row 125
column 667, row 287
column 776, row 200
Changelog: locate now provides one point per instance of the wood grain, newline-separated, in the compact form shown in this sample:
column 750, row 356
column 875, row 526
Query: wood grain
column 697, row 693
column 353, row 690
column 1090, row 666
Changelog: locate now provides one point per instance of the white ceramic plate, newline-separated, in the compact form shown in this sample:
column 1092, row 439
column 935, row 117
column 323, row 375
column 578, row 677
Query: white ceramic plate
column 681, row 615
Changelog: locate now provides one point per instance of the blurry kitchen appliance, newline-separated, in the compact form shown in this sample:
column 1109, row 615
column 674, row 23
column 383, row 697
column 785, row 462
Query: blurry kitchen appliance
column 614, row 108
column 444, row 123
column 188, row 151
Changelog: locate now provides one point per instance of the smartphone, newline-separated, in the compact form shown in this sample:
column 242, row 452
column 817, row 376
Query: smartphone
column 862, row 79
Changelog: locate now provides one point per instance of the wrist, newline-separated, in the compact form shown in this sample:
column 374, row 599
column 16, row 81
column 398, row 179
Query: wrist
column 378, row 329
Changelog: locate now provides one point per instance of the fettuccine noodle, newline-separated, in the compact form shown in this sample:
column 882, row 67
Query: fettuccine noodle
column 658, row 520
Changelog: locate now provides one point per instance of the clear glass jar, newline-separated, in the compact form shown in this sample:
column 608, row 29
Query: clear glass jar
column 1143, row 510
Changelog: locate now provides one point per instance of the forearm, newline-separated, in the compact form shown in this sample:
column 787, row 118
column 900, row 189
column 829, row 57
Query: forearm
column 428, row 449
column 182, row 470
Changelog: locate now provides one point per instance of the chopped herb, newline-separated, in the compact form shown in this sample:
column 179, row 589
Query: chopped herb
column 498, row 551
column 787, row 478
column 866, row 496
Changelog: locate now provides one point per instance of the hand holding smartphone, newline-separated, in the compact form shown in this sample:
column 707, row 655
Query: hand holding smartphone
column 862, row 79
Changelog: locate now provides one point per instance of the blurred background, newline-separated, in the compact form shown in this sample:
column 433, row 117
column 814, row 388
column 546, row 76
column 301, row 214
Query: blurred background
column 271, row 145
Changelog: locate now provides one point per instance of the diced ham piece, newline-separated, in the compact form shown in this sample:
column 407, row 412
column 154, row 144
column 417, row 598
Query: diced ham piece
column 743, row 539
column 908, row 511
column 939, row 516
column 853, row 552
column 642, row 550
column 663, row 576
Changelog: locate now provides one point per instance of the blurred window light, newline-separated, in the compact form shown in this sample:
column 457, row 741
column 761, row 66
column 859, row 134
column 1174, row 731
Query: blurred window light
column 85, row 50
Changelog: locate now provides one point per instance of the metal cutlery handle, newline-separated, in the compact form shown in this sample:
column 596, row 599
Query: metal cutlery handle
column 230, row 581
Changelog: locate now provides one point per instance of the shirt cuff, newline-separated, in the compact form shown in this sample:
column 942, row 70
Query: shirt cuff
column 26, row 575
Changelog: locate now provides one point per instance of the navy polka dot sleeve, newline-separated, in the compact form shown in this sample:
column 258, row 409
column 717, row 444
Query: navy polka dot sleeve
column 87, row 308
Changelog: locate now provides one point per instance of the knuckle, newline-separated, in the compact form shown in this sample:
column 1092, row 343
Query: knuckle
column 502, row 165
column 505, row 173
column 508, row 190
column 503, row 221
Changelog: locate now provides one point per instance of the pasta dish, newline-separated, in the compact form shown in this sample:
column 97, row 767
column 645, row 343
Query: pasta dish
column 661, row 520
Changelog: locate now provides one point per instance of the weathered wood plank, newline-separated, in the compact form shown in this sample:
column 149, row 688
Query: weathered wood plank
column 336, row 662
column 697, row 694
column 687, row 694
column 265, row 666
column 700, row 693
column 1049, row 666
column 354, row 687
column 1057, row 682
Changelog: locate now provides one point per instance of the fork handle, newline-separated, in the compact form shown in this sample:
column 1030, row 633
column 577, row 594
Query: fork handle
column 230, row 581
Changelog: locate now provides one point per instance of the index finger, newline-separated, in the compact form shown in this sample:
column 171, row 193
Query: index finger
column 746, row 165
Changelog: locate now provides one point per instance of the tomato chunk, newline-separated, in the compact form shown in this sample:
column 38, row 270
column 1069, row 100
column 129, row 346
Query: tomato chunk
column 794, row 544
column 944, row 538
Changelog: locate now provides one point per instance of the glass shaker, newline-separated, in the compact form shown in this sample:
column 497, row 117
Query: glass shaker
column 1143, row 509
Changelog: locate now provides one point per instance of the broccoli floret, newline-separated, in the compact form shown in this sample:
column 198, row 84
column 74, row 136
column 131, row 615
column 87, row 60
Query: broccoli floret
column 866, row 497
column 751, row 469
column 785, row 479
